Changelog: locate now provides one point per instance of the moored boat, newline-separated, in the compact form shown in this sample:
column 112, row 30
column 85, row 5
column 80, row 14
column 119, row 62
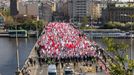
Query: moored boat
column 18, row 33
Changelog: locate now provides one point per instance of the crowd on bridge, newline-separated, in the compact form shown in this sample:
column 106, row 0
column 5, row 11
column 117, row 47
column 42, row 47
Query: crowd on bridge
column 62, row 40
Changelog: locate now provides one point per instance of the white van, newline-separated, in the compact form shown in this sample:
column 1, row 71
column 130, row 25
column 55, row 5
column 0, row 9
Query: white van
column 52, row 69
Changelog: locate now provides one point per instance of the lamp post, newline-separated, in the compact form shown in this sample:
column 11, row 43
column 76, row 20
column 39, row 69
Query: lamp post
column 37, row 27
column 17, row 50
column 37, row 34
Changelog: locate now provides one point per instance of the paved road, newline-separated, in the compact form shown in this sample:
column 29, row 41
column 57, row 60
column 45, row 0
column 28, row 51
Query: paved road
column 99, row 73
column 42, row 70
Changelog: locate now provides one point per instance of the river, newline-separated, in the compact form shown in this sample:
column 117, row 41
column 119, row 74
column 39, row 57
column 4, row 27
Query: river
column 8, row 52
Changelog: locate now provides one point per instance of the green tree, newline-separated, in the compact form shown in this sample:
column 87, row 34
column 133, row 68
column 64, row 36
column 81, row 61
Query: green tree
column 119, row 25
column 109, row 25
column 85, row 20
column 120, row 64
column 38, row 24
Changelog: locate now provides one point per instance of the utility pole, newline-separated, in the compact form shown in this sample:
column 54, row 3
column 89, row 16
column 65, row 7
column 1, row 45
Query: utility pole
column 13, row 12
column 37, row 32
column 17, row 50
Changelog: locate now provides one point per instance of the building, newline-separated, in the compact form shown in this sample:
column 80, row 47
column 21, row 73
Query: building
column 59, row 6
column 53, row 5
column 94, row 10
column 42, row 9
column 77, row 9
column 45, row 11
column 4, row 4
column 65, row 9
column 120, row 12
column 70, row 9
column 61, row 13
column 25, row 8
column 13, row 8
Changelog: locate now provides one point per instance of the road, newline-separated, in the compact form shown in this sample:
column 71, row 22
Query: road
column 42, row 70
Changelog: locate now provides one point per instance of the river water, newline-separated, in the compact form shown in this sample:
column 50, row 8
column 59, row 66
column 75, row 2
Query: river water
column 8, row 52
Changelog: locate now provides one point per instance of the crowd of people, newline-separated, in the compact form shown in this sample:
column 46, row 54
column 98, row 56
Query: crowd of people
column 31, row 62
column 62, row 40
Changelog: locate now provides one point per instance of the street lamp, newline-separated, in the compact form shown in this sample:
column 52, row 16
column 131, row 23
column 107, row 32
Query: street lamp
column 37, row 27
column 17, row 50
column 39, row 4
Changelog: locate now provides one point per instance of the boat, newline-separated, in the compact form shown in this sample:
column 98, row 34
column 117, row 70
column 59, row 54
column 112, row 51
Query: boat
column 20, row 33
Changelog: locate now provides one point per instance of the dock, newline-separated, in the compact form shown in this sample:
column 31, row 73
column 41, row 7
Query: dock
column 4, row 34
column 7, row 34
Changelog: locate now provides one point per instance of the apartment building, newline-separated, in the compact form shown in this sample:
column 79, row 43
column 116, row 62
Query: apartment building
column 120, row 12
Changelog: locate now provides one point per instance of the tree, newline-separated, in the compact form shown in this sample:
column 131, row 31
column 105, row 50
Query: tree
column 85, row 20
column 120, row 64
column 109, row 25
column 7, row 18
column 39, row 25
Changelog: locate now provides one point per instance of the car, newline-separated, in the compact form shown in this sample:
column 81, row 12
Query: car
column 52, row 69
column 68, row 71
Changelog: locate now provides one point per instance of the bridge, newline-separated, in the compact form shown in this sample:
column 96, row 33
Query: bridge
column 62, row 44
